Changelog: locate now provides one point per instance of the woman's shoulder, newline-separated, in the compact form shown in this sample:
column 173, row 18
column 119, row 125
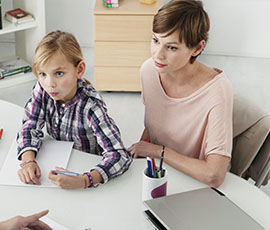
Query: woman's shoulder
column 223, row 81
column 148, row 66
column 220, row 88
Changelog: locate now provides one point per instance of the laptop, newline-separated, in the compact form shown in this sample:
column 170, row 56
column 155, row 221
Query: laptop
column 204, row 209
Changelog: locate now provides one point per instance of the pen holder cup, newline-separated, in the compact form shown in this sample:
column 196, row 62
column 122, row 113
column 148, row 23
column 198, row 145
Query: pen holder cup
column 154, row 187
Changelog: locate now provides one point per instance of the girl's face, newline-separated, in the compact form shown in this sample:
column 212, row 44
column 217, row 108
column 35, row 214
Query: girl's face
column 169, row 54
column 58, row 77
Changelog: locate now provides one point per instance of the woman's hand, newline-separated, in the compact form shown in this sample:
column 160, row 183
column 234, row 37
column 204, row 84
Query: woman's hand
column 30, row 173
column 29, row 222
column 66, row 182
column 145, row 149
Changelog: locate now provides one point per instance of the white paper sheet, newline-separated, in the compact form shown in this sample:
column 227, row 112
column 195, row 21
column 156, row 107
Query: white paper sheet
column 52, row 153
column 53, row 224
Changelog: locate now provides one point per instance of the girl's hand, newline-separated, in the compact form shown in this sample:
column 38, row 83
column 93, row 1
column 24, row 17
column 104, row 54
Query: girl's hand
column 144, row 149
column 66, row 182
column 30, row 173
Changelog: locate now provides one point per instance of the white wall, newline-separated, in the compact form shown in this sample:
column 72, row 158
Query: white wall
column 239, row 27
column 72, row 16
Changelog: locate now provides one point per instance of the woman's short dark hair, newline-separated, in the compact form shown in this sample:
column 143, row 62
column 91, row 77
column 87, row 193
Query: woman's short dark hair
column 186, row 16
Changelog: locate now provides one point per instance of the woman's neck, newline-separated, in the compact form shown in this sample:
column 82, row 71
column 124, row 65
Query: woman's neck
column 186, row 81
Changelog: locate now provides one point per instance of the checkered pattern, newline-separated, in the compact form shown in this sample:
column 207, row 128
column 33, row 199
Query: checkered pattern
column 84, row 121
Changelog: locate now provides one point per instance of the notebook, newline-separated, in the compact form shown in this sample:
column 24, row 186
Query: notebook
column 204, row 209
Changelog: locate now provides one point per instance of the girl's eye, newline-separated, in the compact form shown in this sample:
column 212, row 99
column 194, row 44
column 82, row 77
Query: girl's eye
column 42, row 74
column 59, row 73
column 155, row 40
column 172, row 48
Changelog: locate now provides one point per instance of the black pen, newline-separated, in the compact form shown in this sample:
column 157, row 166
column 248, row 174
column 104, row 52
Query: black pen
column 161, row 161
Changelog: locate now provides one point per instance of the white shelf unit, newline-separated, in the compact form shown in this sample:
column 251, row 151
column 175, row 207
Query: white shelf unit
column 27, row 36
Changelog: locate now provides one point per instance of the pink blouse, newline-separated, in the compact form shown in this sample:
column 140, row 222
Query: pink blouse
column 197, row 125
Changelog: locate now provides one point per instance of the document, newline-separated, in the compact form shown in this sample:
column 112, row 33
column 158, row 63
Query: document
column 53, row 224
column 51, row 154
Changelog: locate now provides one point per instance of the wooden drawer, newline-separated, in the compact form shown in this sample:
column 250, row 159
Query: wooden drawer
column 117, row 78
column 129, row 54
column 123, row 28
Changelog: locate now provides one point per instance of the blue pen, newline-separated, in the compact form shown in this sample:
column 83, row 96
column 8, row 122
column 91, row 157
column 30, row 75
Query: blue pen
column 66, row 173
column 149, row 167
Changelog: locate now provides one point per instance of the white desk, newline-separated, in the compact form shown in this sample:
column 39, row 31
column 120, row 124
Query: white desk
column 115, row 205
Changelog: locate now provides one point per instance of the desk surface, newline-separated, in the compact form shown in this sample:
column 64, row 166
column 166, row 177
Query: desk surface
column 115, row 205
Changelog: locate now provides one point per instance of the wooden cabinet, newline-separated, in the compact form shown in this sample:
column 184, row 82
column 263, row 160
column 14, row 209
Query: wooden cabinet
column 122, row 44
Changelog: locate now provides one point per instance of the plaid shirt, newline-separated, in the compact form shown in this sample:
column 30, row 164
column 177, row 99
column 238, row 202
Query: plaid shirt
column 84, row 120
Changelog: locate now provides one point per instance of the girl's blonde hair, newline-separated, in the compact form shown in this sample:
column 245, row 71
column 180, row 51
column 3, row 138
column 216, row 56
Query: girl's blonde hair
column 186, row 16
column 53, row 42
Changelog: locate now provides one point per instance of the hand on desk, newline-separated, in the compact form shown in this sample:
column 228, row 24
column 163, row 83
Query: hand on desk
column 66, row 182
column 145, row 149
column 29, row 222
column 30, row 173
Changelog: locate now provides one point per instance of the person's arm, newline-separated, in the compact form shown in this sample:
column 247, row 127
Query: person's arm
column 218, row 136
column 74, row 182
column 210, row 171
column 29, row 222
column 28, row 137
column 30, row 171
column 116, row 159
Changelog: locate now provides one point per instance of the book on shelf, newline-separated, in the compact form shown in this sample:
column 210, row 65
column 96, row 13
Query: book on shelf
column 18, row 16
column 13, row 66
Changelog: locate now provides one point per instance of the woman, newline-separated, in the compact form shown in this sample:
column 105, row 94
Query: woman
column 188, row 106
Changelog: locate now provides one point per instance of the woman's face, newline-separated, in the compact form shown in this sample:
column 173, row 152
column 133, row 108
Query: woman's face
column 169, row 54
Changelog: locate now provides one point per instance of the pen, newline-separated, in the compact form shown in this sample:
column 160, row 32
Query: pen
column 154, row 168
column 1, row 132
column 66, row 173
column 154, row 164
column 158, row 174
column 161, row 159
column 149, row 167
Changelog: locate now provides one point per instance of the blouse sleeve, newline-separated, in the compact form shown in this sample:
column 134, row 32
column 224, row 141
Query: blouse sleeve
column 219, row 126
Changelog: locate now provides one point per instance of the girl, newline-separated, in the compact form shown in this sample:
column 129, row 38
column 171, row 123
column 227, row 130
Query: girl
column 72, row 111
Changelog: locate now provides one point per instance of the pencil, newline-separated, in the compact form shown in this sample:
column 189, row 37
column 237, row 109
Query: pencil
column 161, row 158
